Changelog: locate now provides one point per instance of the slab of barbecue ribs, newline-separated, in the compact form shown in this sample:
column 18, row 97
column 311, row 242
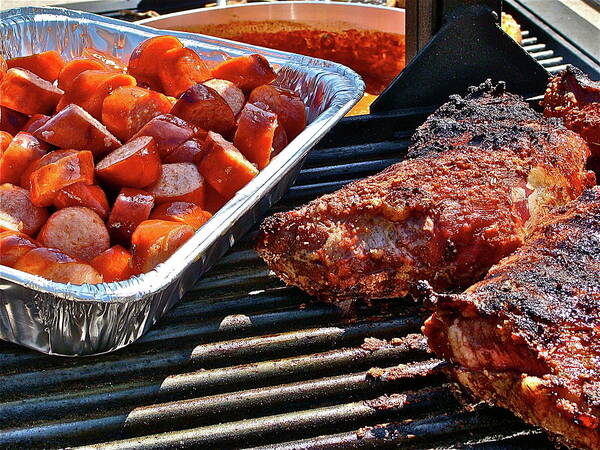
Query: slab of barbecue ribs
column 574, row 97
column 480, row 172
column 527, row 337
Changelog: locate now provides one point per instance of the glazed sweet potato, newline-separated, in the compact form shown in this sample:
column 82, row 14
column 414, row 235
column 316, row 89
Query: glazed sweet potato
column 25, row 92
column 224, row 167
column 288, row 106
column 131, row 208
column 154, row 241
column 147, row 57
column 23, row 150
column 46, row 182
column 46, row 65
column 48, row 158
column 74, row 128
column 81, row 194
column 109, row 61
column 13, row 245
column 247, row 72
column 56, row 266
column 18, row 213
column 179, row 182
column 254, row 135
column 203, row 107
column 180, row 69
column 114, row 264
column 74, row 68
column 129, row 108
column 182, row 212
column 5, row 138
column 135, row 164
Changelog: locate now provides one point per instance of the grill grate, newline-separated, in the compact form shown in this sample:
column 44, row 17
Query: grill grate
column 245, row 361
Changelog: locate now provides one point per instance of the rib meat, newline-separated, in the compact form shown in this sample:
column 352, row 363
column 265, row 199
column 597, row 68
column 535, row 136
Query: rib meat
column 527, row 337
column 574, row 97
column 482, row 169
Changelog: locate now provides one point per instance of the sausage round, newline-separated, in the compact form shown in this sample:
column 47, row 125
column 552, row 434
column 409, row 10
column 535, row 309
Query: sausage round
column 17, row 212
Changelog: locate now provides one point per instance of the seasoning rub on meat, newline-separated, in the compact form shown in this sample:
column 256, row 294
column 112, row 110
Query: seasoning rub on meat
column 481, row 172
column 527, row 337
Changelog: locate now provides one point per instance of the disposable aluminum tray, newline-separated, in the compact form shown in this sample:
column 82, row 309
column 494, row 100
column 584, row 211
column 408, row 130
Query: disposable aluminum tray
column 65, row 319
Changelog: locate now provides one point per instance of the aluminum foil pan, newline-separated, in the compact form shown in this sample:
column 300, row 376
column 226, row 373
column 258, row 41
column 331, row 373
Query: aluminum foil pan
column 65, row 319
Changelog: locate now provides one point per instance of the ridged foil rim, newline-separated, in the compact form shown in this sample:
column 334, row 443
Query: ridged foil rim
column 349, row 89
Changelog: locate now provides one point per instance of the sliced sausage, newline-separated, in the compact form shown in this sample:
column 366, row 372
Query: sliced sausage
column 46, row 182
column 74, row 68
column 232, row 94
column 25, row 92
column 131, row 208
column 109, row 61
column 135, row 164
column 46, row 65
column 288, row 106
column 129, row 108
column 12, row 121
column 54, row 265
column 182, row 212
column 80, row 194
column 202, row 106
column 247, row 72
column 148, row 56
column 48, row 158
column 23, row 150
column 224, row 167
column 179, row 182
column 114, row 264
column 17, row 212
column 280, row 139
column 254, row 135
column 35, row 122
column 74, row 128
column 190, row 151
column 180, row 69
column 78, row 231
column 90, row 88
column 13, row 245
column 154, row 241
column 168, row 131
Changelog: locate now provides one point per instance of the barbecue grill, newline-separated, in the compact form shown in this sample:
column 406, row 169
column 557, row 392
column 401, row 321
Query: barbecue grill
column 245, row 361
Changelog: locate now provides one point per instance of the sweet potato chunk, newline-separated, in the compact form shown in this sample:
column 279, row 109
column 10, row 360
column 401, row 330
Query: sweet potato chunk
column 180, row 69
column 168, row 131
column 288, row 106
column 81, row 194
column 13, row 245
column 47, row 181
column 23, row 150
column 179, row 182
column 224, row 167
column 154, row 241
column 247, row 72
column 5, row 139
column 135, row 164
column 46, row 65
column 213, row 201
column 182, row 212
column 254, row 135
column 90, row 88
column 74, row 68
column 190, row 151
column 25, row 92
column 56, row 266
column 147, row 57
column 232, row 94
column 131, row 208
column 109, row 61
column 74, row 128
column 78, row 231
column 202, row 106
column 129, row 108
column 114, row 264
column 17, row 212
column 48, row 158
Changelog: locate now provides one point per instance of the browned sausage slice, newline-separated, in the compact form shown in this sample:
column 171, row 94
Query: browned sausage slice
column 78, row 231
column 232, row 94
column 17, row 213
column 180, row 182
column 131, row 207
column 13, row 245
column 53, row 264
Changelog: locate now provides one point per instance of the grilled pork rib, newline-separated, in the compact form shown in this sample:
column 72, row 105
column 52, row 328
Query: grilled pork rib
column 481, row 170
column 527, row 337
column 574, row 97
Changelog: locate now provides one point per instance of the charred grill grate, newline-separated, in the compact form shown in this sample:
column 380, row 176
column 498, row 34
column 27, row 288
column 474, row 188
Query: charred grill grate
column 245, row 361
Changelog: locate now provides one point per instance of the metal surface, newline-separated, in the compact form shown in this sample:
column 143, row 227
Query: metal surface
column 67, row 319
column 244, row 361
